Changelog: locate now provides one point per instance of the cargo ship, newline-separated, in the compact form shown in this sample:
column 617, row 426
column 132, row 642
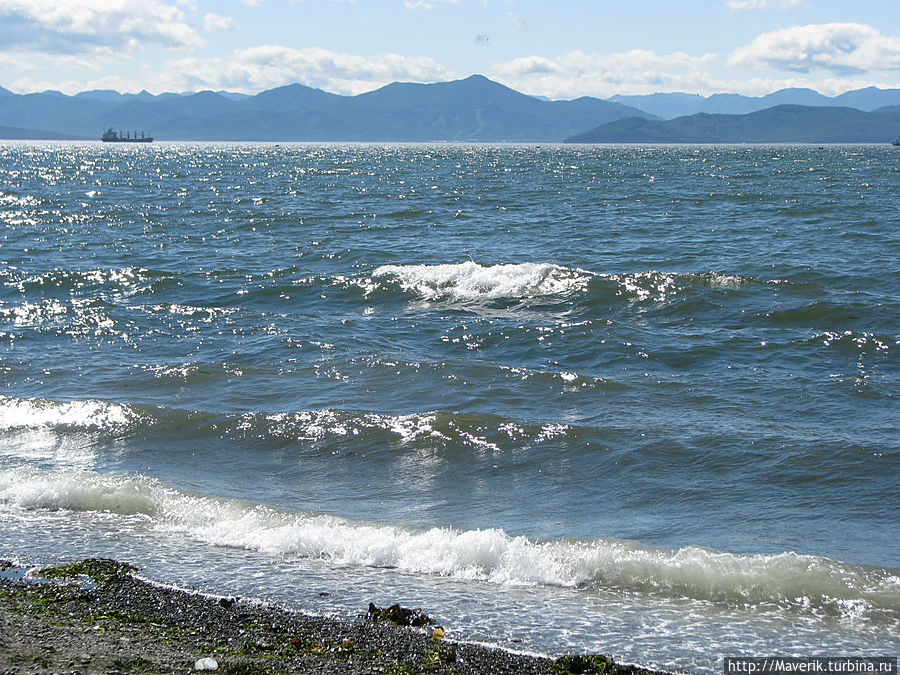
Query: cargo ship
column 110, row 136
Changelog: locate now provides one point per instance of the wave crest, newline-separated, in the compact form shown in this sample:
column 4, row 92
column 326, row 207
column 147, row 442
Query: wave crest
column 788, row 579
column 470, row 281
column 16, row 413
column 324, row 428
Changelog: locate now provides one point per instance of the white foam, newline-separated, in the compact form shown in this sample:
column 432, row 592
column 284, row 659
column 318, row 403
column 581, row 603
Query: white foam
column 490, row 555
column 78, row 491
column 16, row 413
column 319, row 424
column 470, row 281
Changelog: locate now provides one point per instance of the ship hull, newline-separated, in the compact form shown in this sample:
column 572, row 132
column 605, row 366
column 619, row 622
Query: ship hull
column 128, row 140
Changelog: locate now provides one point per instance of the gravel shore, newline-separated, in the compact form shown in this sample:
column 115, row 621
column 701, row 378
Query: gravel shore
column 96, row 617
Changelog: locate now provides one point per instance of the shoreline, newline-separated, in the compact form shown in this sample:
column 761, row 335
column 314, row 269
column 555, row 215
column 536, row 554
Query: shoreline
column 95, row 616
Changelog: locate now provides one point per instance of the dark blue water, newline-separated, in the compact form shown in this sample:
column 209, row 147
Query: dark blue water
column 657, row 379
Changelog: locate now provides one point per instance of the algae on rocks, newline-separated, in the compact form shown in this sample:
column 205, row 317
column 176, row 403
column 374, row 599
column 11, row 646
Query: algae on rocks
column 401, row 616
column 102, row 571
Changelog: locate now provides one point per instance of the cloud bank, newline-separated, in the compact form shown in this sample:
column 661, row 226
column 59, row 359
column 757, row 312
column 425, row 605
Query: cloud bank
column 829, row 57
column 578, row 73
column 843, row 48
column 266, row 66
column 93, row 26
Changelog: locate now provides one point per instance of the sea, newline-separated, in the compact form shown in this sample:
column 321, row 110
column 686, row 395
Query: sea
column 636, row 400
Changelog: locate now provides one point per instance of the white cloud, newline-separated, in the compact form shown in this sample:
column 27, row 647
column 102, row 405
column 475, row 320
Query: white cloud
column 73, row 26
column 517, row 21
column 264, row 67
column 46, row 62
column 34, row 68
column 834, row 47
column 578, row 73
column 746, row 5
column 426, row 4
column 214, row 22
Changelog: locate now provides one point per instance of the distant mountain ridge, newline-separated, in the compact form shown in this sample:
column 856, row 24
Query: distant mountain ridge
column 472, row 109
column 17, row 133
column 672, row 105
column 112, row 96
column 779, row 124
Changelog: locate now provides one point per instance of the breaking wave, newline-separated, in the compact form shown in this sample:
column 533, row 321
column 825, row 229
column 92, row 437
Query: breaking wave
column 326, row 426
column 789, row 580
column 470, row 281
column 16, row 413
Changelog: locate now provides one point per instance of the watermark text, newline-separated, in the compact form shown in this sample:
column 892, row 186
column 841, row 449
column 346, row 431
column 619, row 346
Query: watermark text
column 810, row 665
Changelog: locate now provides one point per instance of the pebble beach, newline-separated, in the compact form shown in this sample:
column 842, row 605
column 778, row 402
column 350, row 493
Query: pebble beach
column 97, row 616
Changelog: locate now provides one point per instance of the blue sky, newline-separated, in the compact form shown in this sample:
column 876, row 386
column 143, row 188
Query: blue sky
column 555, row 48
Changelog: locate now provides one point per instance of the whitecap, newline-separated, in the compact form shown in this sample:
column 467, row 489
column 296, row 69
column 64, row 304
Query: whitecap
column 790, row 580
column 470, row 281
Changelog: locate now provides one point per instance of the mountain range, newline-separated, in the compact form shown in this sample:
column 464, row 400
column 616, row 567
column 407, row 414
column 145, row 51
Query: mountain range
column 474, row 109
column 779, row 124
column 669, row 106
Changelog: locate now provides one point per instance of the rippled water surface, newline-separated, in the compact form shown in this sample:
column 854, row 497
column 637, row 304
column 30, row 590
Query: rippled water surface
column 640, row 400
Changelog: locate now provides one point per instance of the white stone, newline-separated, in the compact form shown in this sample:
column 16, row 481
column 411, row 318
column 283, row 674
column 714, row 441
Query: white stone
column 206, row 664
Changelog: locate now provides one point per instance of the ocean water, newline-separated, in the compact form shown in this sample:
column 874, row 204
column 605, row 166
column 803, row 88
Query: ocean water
column 635, row 400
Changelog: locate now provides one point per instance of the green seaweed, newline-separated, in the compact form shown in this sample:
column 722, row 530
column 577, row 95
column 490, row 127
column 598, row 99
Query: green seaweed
column 403, row 668
column 586, row 664
column 102, row 571
column 440, row 656
column 51, row 594
column 325, row 647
